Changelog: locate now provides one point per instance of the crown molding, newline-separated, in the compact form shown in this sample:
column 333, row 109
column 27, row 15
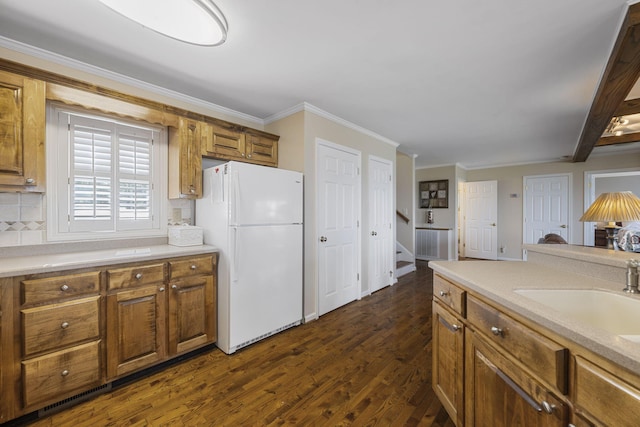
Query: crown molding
column 305, row 106
column 65, row 61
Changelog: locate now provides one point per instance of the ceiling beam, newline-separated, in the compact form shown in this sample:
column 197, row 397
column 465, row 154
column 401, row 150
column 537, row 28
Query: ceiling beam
column 628, row 107
column 622, row 139
column 621, row 73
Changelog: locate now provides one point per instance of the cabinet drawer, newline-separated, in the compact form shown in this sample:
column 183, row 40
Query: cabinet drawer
column 190, row 267
column 135, row 276
column 59, row 325
column 532, row 349
column 607, row 398
column 450, row 295
column 52, row 288
column 58, row 375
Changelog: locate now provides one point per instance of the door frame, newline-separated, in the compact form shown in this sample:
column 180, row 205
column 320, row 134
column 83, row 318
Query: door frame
column 316, row 229
column 392, row 278
column 589, row 195
column 569, row 205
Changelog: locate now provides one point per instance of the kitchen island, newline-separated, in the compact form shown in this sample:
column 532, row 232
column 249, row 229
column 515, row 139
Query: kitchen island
column 499, row 353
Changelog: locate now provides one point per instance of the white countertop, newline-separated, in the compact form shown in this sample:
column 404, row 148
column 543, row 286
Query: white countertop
column 17, row 266
column 497, row 281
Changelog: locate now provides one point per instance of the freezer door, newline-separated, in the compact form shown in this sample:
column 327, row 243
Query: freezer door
column 266, row 280
column 263, row 195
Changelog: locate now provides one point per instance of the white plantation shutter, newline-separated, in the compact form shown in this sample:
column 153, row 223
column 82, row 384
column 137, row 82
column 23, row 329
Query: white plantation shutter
column 91, row 174
column 134, row 178
column 111, row 181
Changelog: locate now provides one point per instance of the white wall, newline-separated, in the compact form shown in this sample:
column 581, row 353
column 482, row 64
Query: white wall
column 405, row 201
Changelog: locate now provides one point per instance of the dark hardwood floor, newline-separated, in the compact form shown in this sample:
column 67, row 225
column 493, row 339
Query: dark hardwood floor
column 368, row 363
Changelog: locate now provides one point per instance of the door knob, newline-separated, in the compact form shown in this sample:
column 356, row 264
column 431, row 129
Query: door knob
column 493, row 224
column 373, row 233
column 323, row 239
column 563, row 226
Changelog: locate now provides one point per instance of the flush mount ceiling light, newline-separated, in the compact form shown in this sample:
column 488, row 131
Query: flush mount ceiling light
column 197, row 22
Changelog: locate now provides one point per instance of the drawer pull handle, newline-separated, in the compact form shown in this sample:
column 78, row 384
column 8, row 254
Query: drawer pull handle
column 139, row 276
column 193, row 267
column 64, row 288
column 64, row 325
column 64, row 373
column 444, row 293
column 497, row 331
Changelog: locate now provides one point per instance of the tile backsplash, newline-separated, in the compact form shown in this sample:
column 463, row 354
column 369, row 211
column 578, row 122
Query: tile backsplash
column 23, row 218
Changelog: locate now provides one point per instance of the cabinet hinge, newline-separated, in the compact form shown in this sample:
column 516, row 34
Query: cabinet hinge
column 358, row 277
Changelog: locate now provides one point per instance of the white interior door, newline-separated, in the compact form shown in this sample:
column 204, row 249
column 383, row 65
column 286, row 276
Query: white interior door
column 481, row 220
column 381, row 248
column 546, row 207
column 338, row 213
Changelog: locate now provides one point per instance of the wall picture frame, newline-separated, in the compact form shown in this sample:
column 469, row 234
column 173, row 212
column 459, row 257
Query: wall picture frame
column 434, row 194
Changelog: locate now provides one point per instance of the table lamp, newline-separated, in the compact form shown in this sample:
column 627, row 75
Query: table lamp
column 612, row 208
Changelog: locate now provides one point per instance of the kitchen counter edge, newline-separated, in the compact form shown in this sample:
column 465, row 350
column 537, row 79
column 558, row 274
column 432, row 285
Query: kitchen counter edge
column 34, row 264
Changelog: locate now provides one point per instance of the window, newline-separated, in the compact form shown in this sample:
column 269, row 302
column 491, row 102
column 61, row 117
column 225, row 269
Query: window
column 103, row 177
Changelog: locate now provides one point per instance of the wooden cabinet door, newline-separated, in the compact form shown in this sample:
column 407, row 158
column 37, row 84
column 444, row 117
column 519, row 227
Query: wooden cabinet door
column 448, row 360
column 192, row 313
column 261, row 149
column 22, row 130
column 136, row 329
column 223, row 142
column 500, row 394
column 185, row 160
column 600, row 395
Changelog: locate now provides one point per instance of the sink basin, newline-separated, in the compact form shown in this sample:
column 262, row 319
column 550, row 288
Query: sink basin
column 613, row 312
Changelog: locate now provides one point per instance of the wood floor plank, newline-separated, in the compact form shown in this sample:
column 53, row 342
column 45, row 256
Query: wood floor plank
column 367, row 363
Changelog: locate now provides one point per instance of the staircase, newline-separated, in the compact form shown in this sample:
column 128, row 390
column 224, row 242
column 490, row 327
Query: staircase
column 405, row 261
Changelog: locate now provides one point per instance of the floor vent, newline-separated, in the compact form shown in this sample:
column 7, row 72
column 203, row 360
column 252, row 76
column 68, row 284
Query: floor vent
column 70, row 401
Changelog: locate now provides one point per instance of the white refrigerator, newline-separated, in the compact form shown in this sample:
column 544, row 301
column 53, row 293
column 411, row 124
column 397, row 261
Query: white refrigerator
column 253, row 214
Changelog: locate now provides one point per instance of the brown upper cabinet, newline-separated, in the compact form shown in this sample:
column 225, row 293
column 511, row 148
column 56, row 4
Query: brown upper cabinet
column 22, row 131
column 185, row 161
column 236, row 143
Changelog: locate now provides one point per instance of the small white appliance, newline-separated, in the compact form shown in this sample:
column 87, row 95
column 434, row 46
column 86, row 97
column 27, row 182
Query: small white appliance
column 253, row 215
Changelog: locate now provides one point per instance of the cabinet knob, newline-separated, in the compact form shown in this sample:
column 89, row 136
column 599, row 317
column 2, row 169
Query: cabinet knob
column 64, row 325
column 242, row 154
column 192, row 190
column 174, row 286
column 497, row 331
column 161, row 289
column 444, row 293
column 249, row 156
column 455, row 327
column 30, row 181
column 547, row 407
column 64, row 288
column 64, row 373
column 139, row 276
column 193, row 266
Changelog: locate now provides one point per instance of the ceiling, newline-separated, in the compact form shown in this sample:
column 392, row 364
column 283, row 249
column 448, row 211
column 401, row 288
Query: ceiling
column 477, row 83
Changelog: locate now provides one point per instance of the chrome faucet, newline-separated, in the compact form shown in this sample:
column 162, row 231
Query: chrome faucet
column 632, row 277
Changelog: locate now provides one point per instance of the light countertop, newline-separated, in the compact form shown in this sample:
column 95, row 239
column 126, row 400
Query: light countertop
column 17, row 266
column 497, row 281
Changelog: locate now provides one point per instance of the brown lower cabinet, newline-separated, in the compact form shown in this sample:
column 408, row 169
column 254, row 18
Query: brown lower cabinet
column 493, row 367
column 65, row 333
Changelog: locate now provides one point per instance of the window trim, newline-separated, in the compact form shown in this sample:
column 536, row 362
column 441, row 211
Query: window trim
column 57, row 147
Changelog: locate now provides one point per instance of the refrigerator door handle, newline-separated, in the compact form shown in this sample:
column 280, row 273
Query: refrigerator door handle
column 236, row 194
column 236, row 254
